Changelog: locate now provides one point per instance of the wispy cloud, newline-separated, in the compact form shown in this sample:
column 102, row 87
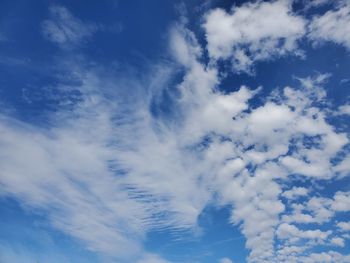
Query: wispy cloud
column 332, row 26
column 64, row 29
column 3, row 38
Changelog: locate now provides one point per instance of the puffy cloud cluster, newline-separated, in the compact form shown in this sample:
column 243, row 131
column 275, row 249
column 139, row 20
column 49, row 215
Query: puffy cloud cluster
column 316, row 210
column 344, row 226
column 253, row 32
column 344, row 109
column 263, row 31
column 295, row 192
column 333, row 26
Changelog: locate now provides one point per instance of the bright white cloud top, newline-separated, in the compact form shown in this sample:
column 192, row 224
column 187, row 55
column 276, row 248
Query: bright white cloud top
column 334, row 26
column 253, row 32
column 108, row 171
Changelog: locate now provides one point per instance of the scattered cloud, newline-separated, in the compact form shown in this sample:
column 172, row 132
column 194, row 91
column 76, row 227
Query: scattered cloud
column 226, row 260
column 149, row 258
column 316, row 3
column 338, row 241
column 295, row 192
column 110, row 169
column 65, row 30
column 332, row 26
column 344, row 226
column 331, row 256
column 253, row 32
column 344, row 109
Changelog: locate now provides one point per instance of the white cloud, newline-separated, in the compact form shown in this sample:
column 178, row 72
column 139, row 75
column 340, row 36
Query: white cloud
column 64, row 172
column 343, row 167
column 316, row 3
column 344, row 110
column 293, row 234
column 226, row 260
column 22, row 254
column 344, row 226
column 293, row 117
column 150, row 258
column 332, row 26
column 318, row 210
column 338, row 241
column 325, row 257
column 295, row 192
column 341, row 202
column 253, row 32
column 64, row 29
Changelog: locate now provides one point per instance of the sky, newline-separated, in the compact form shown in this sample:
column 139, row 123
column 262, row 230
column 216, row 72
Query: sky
column 169, row 131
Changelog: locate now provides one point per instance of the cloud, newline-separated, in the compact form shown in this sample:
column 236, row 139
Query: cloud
column 110, row 171
column 316, row 3
column 65, row 30
column 58, row 171
column 344, row 109
column 295, row 192
column 289, row 120
column 344, row 226
column 253, row 32
column 150, row 258
column 343, row 167
column 330, row 256
column 318, row 209
column 226, row 260
column 293, row 234
column 338, row 241
column 3, row 38
column 21, row 254
column 114, row 167
column 341, row 202
column 332, row 26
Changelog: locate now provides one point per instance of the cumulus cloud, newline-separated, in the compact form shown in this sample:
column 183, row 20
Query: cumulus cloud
column 150, row 258
column 332, row 26
column 295, row 192
column 343, row 167
column 341, row 202
column 226, row 260
column 338, row 241
column 65, row 30
column 294, row 119
column 293, row 234
column 263, row 31
column 344, row 109
column 253, row 32
column 331, row 256
column 344, row 226
column 318, row 209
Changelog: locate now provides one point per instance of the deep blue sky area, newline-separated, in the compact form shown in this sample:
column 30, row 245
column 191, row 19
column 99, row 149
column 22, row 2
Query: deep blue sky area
column 166, row 131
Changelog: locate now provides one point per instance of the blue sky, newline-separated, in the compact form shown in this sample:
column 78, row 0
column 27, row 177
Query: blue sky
column 175, row 131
